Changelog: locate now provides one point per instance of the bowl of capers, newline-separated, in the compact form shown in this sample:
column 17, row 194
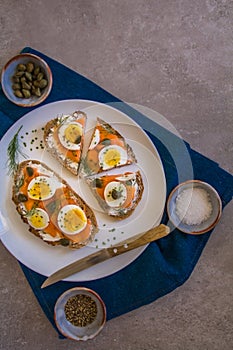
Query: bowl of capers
column 26, row 80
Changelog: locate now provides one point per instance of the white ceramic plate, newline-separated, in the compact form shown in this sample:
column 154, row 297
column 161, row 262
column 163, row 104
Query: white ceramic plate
column 45, row 259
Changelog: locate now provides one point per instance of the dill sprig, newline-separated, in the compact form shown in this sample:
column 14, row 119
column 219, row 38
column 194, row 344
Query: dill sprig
column 13, row 152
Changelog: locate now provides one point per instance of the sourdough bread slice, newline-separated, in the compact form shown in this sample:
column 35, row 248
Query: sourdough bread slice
column 118, row 195
column 53, row 211
column 108, row 149
column 64, row 138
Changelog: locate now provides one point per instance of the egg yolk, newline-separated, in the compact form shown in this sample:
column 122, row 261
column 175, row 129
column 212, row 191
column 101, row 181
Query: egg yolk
column 40, row 190
column 37, row 220
column 73, row 133
column 74, row 220
column 112, row 157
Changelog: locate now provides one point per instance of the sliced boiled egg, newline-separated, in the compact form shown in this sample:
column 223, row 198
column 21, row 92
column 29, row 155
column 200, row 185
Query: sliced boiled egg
column 70, row 134
column 38, row 219
column 41, row 188
column 71, row 219
column 95, row 139
column 115, row 194
column 112, row 156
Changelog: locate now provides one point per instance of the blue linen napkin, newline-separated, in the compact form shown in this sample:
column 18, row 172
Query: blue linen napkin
column 165, row 264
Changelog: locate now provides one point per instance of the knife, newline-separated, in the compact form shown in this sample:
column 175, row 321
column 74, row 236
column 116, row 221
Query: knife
column 107, row 253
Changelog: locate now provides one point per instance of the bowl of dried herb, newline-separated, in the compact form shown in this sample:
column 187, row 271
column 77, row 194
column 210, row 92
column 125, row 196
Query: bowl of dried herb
column 80, row 314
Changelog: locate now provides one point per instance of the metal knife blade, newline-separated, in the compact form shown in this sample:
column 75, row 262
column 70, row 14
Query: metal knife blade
column 107, row 253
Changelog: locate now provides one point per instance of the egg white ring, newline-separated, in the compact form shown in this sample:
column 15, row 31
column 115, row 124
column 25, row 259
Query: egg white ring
column 113, row 203
column 44, row 215
column 61, row 215
column 121, row 150
column 95, row 139
column 46, row 179
column 67, row 144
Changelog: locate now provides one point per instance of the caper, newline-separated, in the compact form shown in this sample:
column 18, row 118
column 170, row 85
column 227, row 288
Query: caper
column 25, row 85
column 30, row 67
column 30, row 171
column 36, row 71
column 22, row 197
column 36, row 83
column 78, row 140
column 23, row 79
column 28, row 75
column 21, row 67
column 16, row 79
column 26, row 93
column 64, row 241
column 98, row 183
column 37, row 92
column 18, row 93
column 106, row 142
column 116, row 194
column 19, row 73
column 51, row 207
column 16, row 86
column 40, row 76
column 43, row 83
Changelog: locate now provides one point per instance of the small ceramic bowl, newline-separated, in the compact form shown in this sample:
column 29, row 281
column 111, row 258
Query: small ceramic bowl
column 8, row 72
column 188, row 220
column 69, row 321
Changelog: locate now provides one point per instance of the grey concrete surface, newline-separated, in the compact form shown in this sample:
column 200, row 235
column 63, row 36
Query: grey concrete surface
column 175, row 57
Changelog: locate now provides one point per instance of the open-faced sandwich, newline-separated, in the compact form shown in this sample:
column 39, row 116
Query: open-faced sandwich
column 118, row 195
column 64, row 137
column 108, row 149
column 53, row 211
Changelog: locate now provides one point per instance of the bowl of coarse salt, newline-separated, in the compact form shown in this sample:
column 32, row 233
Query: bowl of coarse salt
column 194, row 207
